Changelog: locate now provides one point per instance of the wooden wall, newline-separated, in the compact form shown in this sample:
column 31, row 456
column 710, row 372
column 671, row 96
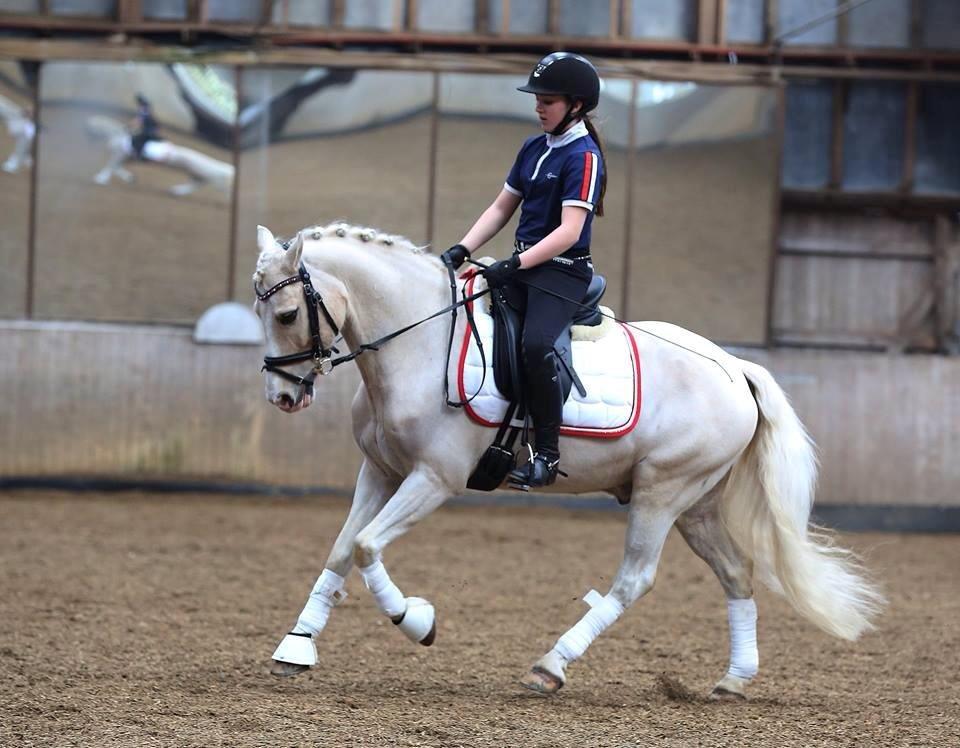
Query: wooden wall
column 146, row 402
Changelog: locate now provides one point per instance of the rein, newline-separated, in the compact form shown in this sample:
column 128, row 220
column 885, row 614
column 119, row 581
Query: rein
column 321, row 356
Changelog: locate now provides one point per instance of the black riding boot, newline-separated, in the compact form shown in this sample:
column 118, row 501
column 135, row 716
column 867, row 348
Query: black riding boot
column 545, row 401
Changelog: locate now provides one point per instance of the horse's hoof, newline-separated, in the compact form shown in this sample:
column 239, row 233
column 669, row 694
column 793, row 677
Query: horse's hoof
column 730, row 688
column 541, row 681
column 286, row 669
column 431, row 635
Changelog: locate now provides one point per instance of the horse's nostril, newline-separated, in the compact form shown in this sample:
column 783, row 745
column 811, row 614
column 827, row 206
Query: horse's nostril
column 285, row 400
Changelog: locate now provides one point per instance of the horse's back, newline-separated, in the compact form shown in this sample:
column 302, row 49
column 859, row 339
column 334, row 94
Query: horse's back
column 656, row 339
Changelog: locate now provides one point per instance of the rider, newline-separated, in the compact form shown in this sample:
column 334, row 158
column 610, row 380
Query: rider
column 144, row 127
column 559, row 179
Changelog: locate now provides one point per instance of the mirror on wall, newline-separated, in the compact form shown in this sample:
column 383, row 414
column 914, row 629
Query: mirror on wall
column 134, row 184
column 17, row 133
column 328, row 144
column 705, row 170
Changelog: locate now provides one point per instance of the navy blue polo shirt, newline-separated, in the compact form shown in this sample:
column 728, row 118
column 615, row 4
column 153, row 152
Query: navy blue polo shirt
column 551, row 172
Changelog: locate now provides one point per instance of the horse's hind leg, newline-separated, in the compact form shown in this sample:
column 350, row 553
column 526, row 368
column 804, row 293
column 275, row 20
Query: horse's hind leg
column 706, row 534
column 296, row 652
column 651, row 515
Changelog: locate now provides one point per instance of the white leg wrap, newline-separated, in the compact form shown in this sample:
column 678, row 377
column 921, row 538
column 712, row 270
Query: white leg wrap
column 744, row 658
column 603, row 612
column 388, row 596
column 327, row 592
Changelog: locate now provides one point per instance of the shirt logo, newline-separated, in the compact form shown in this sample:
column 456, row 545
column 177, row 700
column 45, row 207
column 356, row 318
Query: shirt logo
column 551, row 175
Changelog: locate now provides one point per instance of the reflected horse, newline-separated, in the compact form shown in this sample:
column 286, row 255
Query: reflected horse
column 22, row 130
column 201, row 168
column 717, row 452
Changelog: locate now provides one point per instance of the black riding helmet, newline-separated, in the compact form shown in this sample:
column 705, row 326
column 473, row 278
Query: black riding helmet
column 566, row 74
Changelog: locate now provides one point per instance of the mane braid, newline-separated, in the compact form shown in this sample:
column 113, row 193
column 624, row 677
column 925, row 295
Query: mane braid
column 362, row 233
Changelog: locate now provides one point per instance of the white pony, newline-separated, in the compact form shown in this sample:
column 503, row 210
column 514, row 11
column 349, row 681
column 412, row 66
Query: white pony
column 201, row 168
column 717, row 451
column 22, row 130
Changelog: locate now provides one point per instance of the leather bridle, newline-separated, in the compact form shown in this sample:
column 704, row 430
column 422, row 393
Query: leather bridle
column 318, row 353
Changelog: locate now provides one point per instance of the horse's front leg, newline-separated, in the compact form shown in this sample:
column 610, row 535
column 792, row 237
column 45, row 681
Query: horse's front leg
column 419, row 494
column 297, row 651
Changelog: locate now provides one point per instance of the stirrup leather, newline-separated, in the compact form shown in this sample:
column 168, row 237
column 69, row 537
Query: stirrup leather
column 538, row 472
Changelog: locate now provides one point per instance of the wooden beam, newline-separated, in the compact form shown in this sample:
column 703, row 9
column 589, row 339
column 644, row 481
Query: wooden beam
column 628, row 218
column 481, row 16
column 130, row 11
column 31, row 270
column 707, row 22
column 235, row 191
column 338, row 11
column 505, row 17
column 721, row 30
column 916, row 24
column 410, row 19
column 626, row 19
column 553, row 17
column 780, row 126
column 771, row 10
column 836, row 133
column 432, row 160
column 613, row 30
column 910, row 137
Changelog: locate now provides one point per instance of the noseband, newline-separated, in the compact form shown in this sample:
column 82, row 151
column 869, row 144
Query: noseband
column 317, row 353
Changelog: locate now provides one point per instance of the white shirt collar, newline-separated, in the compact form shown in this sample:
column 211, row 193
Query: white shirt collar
column 558, row 141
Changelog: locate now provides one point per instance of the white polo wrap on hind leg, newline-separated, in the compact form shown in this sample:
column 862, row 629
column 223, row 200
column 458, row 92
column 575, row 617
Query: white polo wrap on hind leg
column 388, row 596
column 604, row 610
column 744, row 657
column 327, row 593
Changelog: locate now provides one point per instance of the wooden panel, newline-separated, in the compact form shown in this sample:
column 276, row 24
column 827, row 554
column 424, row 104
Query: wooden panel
column 843, row 301
column 854, row 232
column 888, row 427
column 205, row 416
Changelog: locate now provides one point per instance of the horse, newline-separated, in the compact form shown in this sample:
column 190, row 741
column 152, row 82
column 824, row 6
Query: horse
column 22, row 130
column 717, row 452
column 201, row 168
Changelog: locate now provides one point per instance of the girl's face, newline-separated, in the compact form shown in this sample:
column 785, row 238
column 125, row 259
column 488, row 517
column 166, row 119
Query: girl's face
column 551, row 110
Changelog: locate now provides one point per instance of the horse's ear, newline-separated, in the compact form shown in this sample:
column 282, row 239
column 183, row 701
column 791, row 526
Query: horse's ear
column 292, row 257
column 265, row 239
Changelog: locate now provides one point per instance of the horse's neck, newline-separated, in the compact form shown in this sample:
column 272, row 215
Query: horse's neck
column 389, row 288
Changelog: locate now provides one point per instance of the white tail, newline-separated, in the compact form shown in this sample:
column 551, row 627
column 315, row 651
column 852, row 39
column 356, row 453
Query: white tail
column 766, row 507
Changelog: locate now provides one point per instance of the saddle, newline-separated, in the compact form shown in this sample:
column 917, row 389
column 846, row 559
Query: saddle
column 499, row 459
column 508, row 332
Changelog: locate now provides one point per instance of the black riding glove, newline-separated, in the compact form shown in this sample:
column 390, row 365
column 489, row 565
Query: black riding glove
column 501, row 273
column 455, row 256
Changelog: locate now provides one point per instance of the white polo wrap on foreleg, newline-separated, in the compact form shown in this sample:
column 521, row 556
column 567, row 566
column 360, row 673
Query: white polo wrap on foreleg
column 326, row 593
column 388, row 596
column 744, row 658
column 604, row 610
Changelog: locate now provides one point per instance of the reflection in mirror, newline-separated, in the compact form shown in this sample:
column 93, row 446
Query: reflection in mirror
column 327, row 144
column 134, row 186
column 484, row 121
column 17, row 131
column 704, row 183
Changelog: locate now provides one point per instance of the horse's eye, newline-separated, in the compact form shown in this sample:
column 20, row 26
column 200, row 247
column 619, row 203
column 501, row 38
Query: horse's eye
column 287, row 318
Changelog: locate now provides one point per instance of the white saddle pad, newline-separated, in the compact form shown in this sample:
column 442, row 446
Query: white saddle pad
column 608, row 367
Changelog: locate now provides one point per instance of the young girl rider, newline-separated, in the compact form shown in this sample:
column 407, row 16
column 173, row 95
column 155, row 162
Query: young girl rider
column 559, row 180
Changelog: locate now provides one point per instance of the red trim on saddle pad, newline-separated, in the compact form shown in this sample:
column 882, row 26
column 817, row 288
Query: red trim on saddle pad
column 585, row 431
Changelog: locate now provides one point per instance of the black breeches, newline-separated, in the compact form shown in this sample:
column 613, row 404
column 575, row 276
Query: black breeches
column 545, row 317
